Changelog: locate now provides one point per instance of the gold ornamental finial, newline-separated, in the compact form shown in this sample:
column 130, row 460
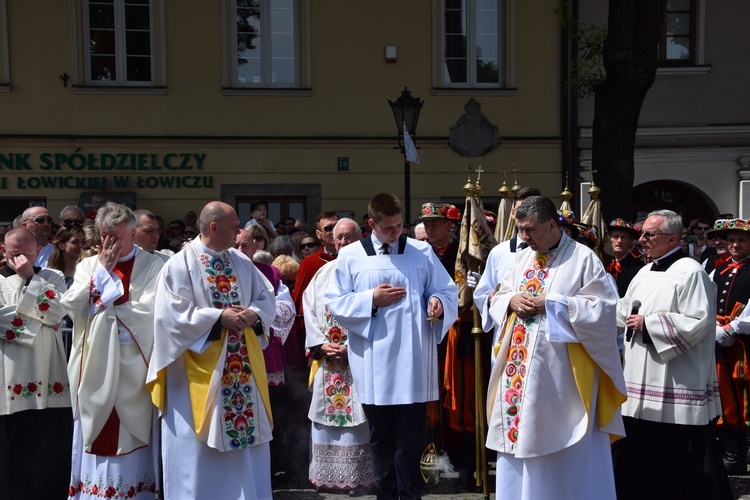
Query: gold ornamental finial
column 504, row 189
column 469, row 185
column 567, row 194
column 516, row 186
column 478, row 190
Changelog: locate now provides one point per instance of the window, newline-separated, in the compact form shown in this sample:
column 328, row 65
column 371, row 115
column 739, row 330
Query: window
column 119, row 42
column 472, row 43
column 677, row 45
column 118, row 46
column 266, row 43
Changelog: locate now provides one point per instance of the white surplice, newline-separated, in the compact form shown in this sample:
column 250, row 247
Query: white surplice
column 389, row 350
column 674, row 380
column 185, row 315
column 538, row 421
column 112, row 344
column 111, row 348
column 32, row 356
column 500, row 262
column 340, row 455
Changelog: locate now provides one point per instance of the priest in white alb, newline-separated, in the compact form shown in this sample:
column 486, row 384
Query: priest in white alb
column 556, row 384
column 111, row 303
column 669, row 365
column 384, row 289
column 207, row 375
column 340, row 457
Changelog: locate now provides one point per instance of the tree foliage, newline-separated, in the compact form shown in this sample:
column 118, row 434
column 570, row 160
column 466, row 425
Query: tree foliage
column 587, row 69
column 629, row 54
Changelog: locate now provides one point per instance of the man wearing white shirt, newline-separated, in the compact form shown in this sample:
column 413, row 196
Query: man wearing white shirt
column 384, row 289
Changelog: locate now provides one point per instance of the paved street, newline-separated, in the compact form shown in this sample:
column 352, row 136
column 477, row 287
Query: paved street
column 740, row 485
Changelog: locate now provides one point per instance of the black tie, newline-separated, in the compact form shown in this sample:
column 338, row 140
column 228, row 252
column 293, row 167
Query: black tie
column 385, row 249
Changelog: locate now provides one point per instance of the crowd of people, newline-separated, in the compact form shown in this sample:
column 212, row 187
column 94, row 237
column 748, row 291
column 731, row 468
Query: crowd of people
column 213, row 359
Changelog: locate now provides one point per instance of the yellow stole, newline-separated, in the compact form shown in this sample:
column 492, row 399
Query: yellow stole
column 608, row 397
column 200, row 368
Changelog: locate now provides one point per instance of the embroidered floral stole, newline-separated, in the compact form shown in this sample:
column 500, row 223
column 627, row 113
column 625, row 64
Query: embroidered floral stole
column 524, row 334
column 229, row 399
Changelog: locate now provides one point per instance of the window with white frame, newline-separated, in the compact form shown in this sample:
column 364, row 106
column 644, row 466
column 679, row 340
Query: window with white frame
column 472, row 43
column 266, row 36
column 119, row 42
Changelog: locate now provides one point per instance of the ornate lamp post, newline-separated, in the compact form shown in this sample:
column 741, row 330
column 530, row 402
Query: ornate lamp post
column 406, row 111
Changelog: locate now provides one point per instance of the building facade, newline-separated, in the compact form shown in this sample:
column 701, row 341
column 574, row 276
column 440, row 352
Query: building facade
column 168, row 104
column 693, row 142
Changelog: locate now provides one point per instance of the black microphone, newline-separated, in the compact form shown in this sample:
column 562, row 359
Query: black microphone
column 634, row 310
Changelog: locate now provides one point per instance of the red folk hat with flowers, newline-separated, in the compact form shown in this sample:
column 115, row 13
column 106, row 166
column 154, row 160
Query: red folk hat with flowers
column 586, row 233
column 722, row 226
column 431, row 211
column 623, row 225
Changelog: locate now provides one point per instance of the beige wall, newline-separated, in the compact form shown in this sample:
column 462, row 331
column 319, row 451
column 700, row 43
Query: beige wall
column 277, row 138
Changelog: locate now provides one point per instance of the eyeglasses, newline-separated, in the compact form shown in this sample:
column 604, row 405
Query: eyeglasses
column 304, row 246
column 650, row 236
column 258, row 238
column 329, row 228
column 42, row 220
column 70, row 222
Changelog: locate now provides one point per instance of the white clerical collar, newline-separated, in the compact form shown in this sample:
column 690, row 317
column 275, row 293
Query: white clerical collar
column 377, row 244
column 130, row 255
column 675, row 249
column 205, row 249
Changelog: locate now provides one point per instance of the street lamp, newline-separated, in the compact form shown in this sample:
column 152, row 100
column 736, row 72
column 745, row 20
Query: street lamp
column 406, row 111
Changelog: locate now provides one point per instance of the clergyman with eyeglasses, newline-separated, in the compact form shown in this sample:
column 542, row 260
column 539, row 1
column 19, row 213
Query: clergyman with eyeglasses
column 670, row 373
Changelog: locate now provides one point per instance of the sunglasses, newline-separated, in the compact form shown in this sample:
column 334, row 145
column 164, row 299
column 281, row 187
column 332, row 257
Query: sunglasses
column 71, row 222
column 42, row 220
column 329, row 228
column 258, row 238
column 189, row 233
column 312, row 244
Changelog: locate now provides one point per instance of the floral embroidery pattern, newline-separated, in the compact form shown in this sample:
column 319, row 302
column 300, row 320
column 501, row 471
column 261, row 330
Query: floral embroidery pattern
column 337, row 379
column 17, row 328
column 43, row 300
column 25, row 391
column 58, row 389
column 95, row 297
column 237, row 391
column 222, row 281
column 237, row 387
column 119, row 490
column 514, row 378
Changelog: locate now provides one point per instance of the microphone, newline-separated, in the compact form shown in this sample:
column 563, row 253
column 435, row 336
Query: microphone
column 635, row 308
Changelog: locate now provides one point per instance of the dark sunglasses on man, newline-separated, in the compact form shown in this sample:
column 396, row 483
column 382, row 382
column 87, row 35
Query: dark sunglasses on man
column 42, row 220
column 71, row 223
